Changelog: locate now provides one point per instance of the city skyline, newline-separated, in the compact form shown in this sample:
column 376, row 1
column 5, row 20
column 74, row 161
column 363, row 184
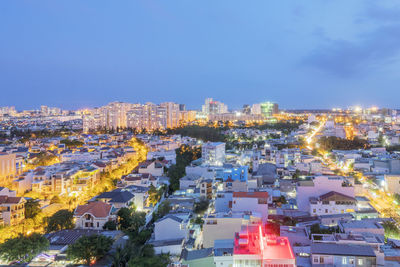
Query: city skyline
column 77, row 55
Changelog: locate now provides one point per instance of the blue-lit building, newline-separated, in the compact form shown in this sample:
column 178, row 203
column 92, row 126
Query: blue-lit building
column 238, row 173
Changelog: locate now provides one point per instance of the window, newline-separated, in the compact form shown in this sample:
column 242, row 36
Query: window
column 314, row 210
column 316, row 259
column 326, row 210
column 351, row 261
column 360, row 262
column 344, row 260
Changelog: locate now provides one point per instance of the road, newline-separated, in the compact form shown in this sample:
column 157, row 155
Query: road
column 381, row 201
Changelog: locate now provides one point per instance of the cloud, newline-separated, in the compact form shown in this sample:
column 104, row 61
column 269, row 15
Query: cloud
column 381, row 13
column 379, row 47
column 350, row 58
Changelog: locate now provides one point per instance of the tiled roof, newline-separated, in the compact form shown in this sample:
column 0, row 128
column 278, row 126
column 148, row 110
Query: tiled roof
column 335, row 194
column 251, row 194
column 9, row 200
column 117, row 196
column 97, row 208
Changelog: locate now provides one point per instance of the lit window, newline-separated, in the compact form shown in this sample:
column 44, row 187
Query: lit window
column 360, row 262
column 344, row 260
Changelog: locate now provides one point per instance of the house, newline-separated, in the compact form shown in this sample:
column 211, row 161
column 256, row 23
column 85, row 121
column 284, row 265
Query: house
column 329, row 254
column 189, row 181
column 93, row 215
column 198, row 257
column 12, row 210
column 139, row 179
column 332, row 203
column 223, row 225
column 206, row 188
column 118, row 198
column 320, row 185
column 213, row 153
column 266, row 174
column 372, row 226
column 254, row 247
column 141, row 196
column 60, row 240
column 256, row 202
column 155, row 168
column 170, row 232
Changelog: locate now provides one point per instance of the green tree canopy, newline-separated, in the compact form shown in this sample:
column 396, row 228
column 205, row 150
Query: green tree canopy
column 32, row 208
column 110, row 225
column 89, row 248
column 55, row 200
column 23, row 248
column 62, row 219
column 130, row 220
column 201, row 206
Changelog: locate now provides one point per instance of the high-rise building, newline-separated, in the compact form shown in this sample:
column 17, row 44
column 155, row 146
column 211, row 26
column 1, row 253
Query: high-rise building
column 148, row 116
column 214, row 107
column 246, row 109
column 172, row 114
column 7, row 165
column 44, row 110
column 10, row 111
column 268, row 109
column 256, row 109
column 213, row 154
column 111, row 116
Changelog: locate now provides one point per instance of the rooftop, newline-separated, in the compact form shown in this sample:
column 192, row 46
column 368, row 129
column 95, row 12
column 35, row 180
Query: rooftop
column 342, row 249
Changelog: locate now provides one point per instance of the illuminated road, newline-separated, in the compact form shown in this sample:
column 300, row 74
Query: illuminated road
column 381, row 201
column 310, row 138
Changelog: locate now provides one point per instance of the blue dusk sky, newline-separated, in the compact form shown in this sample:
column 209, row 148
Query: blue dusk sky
column 301, row 54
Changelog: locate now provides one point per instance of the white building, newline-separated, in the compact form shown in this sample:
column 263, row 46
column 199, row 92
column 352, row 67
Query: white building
column 170, row 232
column 213, row 153
column 93, row 215
column 321, row 185
column 332, row 203
column 255, row 202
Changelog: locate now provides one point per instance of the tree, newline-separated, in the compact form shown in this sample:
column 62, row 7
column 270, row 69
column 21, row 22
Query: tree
column 131, row 221
column 62, row 219
column 110, row 225
column 138, row 220
column 163, row 209
column 145, row 256
column 391, row 230
column 89, row 248
column 32, row 208
column 23, row 248
column 124, row 218
column 201, row 206
column 153, row 195
column 55, row 200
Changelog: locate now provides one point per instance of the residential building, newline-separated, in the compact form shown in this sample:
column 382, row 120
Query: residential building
column 117, row 198
column 170, row 232
column 7, row 166
column 12, row 208
column 320, row 185
column 255, row 202
column 332, row 203
column 253, row 247
column 93, row 215
column 327, row 254
column 213, row 153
